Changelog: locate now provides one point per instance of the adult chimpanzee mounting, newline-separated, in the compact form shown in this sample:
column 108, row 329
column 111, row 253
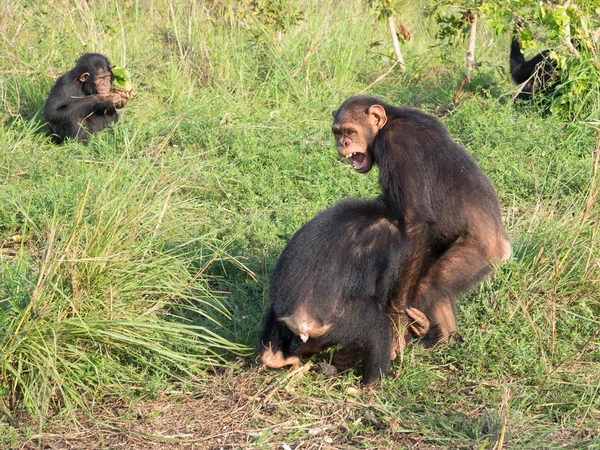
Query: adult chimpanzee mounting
column 332, row 285
column 536, row 75
column 80, row 103
column 438, row 195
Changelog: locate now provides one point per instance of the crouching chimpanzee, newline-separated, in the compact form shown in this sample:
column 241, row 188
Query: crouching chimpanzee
column 332, row 285
column 80, row 103
column 438, row 194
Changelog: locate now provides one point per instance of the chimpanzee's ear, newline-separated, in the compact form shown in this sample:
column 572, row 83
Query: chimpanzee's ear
column 84, row 76
column 111, row 66
column 334, row 113
column 377, row 116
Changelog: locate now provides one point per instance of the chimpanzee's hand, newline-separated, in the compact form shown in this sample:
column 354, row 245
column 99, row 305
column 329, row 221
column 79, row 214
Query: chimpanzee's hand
column 119, row 101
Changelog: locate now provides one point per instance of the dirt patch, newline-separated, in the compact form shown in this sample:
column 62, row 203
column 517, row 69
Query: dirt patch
column 12, row 246
column 257, row 408
column 246, row 410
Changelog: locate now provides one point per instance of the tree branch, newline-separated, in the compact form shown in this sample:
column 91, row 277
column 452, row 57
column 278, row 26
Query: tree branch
column 471, row 46
column 396, row 43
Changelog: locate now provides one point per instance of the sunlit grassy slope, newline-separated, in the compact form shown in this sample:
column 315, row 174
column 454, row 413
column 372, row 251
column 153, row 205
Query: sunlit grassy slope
column 147, row 253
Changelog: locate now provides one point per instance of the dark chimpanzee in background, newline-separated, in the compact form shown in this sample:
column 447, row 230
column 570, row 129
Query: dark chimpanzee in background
column 536, row 75
column 439, row 196
column 80, row 103
column 332, row 285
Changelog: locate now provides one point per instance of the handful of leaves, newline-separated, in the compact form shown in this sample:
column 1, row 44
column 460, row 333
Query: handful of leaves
column 122, row 83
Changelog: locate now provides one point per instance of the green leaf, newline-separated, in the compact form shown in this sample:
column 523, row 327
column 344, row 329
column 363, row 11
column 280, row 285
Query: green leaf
column 122, row 77
column 121, row 73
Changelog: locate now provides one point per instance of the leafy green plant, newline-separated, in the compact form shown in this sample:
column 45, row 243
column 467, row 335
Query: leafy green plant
column 384, row 11
column 122, row 77
column 456, row 19
column 570, row 31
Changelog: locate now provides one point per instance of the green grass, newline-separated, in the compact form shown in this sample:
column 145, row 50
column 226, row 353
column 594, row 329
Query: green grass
column 147, row 252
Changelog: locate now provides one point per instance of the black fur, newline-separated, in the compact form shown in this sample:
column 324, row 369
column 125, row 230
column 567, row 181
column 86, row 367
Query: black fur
column 538, row 73
column 344, row 265
column 72, row 109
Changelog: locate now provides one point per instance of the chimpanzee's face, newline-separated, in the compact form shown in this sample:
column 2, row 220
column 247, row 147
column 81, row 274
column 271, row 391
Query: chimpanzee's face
column 96, row 77
column 355, row 130
column 102, row 81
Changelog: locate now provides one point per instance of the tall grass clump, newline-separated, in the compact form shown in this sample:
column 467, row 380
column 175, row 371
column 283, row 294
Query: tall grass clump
column 112, row 300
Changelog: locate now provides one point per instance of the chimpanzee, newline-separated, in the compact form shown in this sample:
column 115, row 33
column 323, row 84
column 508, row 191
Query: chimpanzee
column 536, row 74
column 332, row 285
column 438, row 194
column 80, row 103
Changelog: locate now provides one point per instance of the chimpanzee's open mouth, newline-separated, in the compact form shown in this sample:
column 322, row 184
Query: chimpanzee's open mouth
column 356, row 157
column 358, row 160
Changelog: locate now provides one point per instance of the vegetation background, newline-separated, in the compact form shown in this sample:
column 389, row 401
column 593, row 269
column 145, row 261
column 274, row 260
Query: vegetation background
column 134, row 270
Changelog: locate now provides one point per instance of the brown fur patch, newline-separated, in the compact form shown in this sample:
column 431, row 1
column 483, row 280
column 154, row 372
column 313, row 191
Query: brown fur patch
column 443, row 321
column 377, row 228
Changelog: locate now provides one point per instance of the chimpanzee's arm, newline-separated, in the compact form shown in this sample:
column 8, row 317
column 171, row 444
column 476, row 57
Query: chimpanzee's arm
column 70, row 103
column 84, row 106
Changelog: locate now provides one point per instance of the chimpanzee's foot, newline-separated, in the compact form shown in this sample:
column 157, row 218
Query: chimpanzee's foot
column 420, row 323
column 415, row 325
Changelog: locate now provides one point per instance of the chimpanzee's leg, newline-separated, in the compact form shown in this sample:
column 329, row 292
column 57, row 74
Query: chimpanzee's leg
column 376, row 345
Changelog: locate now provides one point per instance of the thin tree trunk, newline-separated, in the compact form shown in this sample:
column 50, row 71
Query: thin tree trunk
column 568, row 42
column 471, row 46
column 396, row 43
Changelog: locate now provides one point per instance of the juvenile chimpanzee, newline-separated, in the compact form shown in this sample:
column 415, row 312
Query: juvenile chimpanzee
column 80, row 103
column 536, row 75
column 332, row 285
column 439, row 196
